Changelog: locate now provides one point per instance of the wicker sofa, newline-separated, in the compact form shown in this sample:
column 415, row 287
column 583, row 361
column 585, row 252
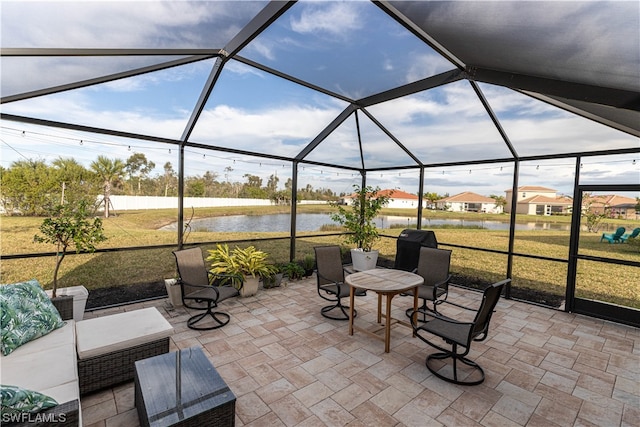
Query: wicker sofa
column 82, row 357
column 48, row 365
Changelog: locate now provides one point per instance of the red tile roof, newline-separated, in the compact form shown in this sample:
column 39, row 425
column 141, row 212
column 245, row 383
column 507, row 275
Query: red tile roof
column 468, row 197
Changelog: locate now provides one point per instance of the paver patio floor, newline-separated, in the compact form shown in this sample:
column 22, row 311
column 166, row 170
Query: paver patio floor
column 289, row 366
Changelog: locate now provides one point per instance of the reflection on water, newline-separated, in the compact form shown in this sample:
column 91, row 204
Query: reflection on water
column 314, row 221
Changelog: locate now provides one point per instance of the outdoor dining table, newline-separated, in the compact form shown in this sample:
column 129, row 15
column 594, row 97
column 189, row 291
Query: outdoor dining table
column 387, row 282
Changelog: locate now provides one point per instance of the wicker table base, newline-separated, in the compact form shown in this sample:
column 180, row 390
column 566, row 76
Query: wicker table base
column 182, row 389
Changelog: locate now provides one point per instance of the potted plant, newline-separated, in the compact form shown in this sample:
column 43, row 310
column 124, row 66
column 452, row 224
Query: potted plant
column 249, row 265
column 308, row 263
column 293, row 270
column 275, row 279
column 69, row 225
column 358, row 219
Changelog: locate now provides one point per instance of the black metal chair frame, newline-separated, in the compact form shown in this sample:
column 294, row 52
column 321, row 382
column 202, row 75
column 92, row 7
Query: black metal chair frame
column 333, row 289
column 434, row 289
column 458, row 334
column 217, row 289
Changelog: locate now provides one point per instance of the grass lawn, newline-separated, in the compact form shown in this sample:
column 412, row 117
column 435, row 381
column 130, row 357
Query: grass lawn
column 617, row 284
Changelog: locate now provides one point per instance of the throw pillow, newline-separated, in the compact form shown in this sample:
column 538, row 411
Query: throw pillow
column 26, row 313
column 16, row 399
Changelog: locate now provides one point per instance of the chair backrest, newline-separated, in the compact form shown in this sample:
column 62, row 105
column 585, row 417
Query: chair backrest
column 433, row 265
column 619, row 232
column 329, row 264
column 490, row 298
column 191, row 269
column 635, row 233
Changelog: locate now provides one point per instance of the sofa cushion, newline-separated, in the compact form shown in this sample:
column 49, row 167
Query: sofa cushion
column 40, row 370
column 17, row 399
column 102, row 335
column 26, row 313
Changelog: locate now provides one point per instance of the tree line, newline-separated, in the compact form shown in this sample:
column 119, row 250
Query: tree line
column 34, row 188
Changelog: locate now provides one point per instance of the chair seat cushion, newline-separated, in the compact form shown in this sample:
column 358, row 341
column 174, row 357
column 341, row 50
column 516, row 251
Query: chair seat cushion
column 120, row 331
column 224, row 292
column 45, row 363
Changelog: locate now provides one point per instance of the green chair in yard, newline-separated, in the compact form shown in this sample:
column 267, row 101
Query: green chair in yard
column 631, row 235
column 614, row 237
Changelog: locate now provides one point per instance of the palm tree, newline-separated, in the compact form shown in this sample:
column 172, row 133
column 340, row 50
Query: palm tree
column 110, row 172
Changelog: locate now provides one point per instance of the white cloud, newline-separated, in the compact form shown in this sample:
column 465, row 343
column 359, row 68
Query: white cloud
column 335, row 18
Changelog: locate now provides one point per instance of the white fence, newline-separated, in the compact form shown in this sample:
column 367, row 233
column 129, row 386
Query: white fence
column 124, row 203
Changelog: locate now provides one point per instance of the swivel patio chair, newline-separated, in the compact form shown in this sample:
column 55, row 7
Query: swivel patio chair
column 613, row 237
column 199, row 286
column 631, row 235
column 330, row 275
column 433, row 266
column 458, row 334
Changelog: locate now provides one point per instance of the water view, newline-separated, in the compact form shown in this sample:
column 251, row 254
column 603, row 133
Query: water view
column 314, row 221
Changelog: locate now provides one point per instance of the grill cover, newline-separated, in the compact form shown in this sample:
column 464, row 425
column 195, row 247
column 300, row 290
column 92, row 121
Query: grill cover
column 408, row 247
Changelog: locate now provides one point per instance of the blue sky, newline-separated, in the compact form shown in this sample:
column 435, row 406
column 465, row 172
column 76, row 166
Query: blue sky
column 329, row 43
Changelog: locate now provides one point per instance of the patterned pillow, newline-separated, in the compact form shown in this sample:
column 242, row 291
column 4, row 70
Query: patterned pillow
column 16, row 399
column 26, row 313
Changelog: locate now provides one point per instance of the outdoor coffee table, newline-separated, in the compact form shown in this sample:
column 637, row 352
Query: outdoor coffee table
column 383, row 281
column 182, row 389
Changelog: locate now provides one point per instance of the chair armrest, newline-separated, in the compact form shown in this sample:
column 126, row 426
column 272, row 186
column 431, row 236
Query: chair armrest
column 443, row 282
column 348, row 269
column 326, row 278
column 457, row 305
column 438, row 316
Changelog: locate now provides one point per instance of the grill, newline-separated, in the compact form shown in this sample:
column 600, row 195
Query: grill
column 408, row 247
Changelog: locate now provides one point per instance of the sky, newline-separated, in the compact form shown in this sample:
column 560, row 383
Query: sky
column 329, row 44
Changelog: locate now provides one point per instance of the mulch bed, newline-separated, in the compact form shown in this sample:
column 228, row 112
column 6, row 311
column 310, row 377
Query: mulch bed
column 118, row 295
column 105, row 297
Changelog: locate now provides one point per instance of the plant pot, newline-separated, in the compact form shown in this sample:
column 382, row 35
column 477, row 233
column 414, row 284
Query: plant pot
column 79, row 294
column 64, row 305
column 174, row 292
column 250, row 286
column 272, row 281
column 363, row 260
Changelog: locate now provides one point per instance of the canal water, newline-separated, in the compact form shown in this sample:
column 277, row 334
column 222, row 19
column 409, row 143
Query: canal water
column 314, row 221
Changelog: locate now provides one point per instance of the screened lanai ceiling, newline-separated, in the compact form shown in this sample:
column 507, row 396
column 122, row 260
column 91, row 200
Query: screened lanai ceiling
column 353, row 84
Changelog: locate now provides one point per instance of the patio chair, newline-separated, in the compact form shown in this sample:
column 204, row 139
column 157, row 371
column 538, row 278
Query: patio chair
column 613, row 237
column 631, row 235
column 330, row 281
column 433, row 266
column 458, row 335
column 198, row 285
